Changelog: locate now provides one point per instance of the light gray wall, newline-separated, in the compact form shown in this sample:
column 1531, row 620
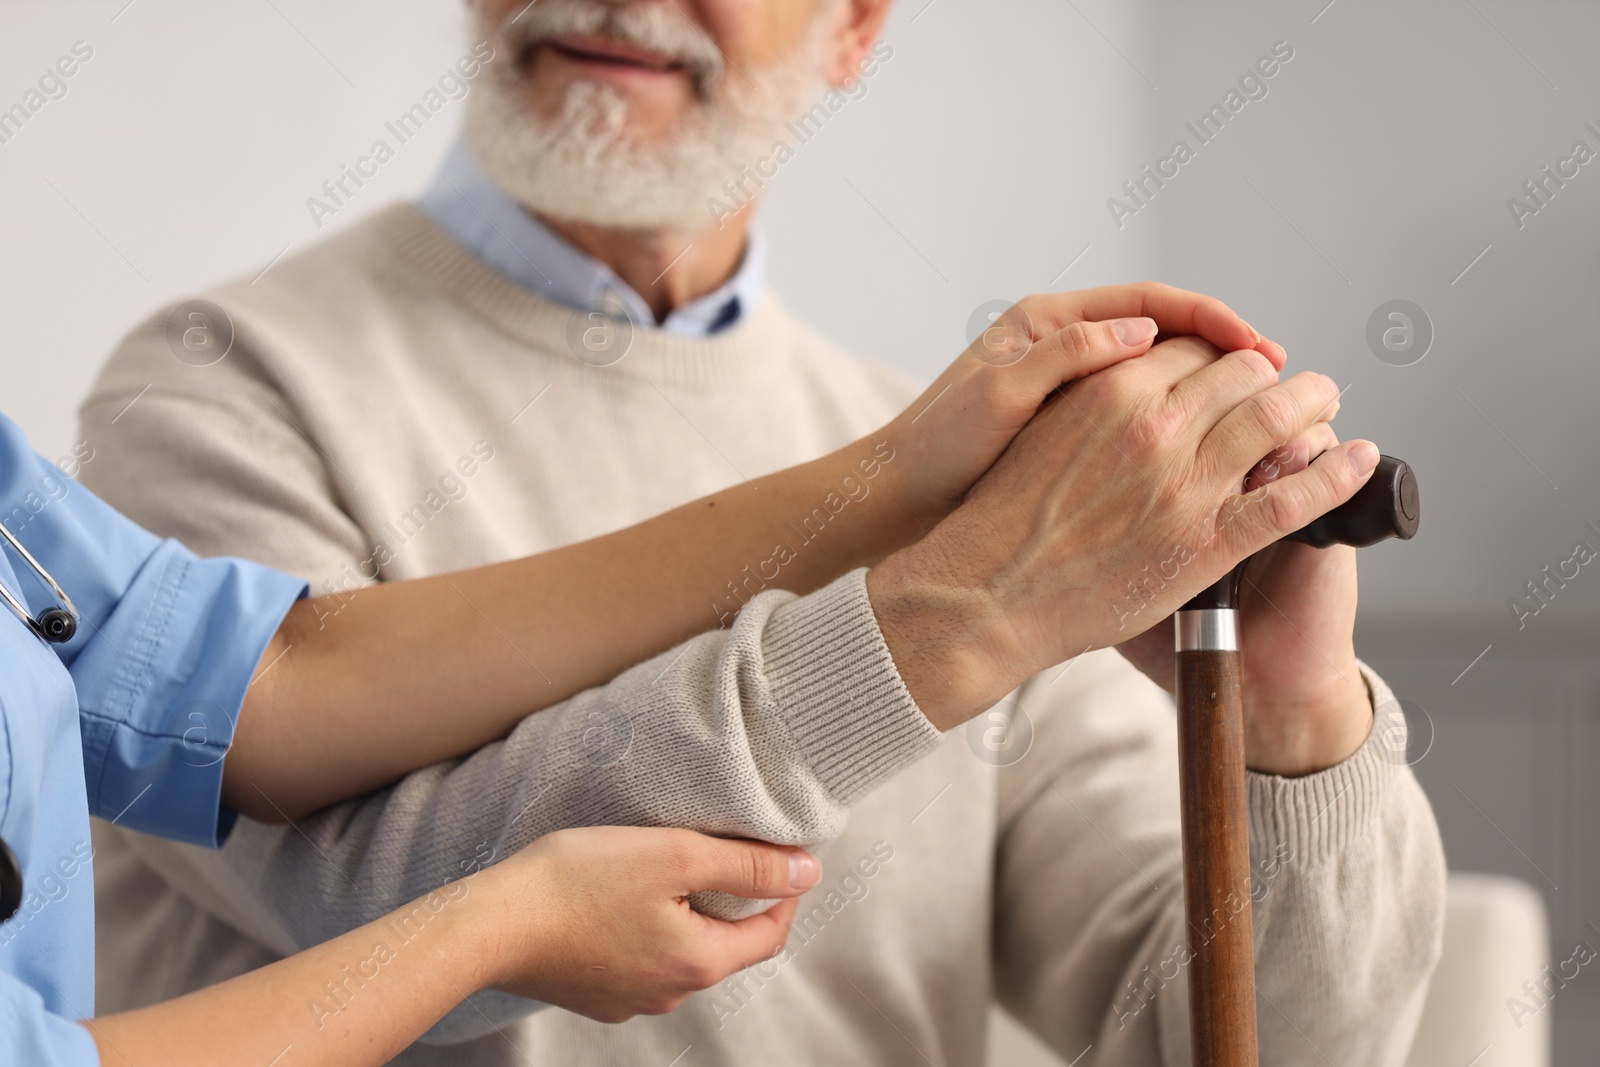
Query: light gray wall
column 1379, row 167
column 183, row 153
column 978, row 166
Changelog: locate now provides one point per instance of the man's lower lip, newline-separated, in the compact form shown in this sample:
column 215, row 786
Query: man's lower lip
column 598, row 63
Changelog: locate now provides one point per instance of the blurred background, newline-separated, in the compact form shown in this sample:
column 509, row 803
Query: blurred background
column 1378, row 164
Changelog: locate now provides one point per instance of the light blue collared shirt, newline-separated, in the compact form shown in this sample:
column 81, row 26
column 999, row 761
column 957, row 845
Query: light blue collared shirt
column 467, row 205
column 130, row 720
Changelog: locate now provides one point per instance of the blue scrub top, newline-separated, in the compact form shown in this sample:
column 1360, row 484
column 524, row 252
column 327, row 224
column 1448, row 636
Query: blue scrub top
column 129, row 721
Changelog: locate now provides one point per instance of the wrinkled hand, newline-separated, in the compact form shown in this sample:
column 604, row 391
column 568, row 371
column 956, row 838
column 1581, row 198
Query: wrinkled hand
column 597, row 920
column 1117, row 503
column 1306, row 706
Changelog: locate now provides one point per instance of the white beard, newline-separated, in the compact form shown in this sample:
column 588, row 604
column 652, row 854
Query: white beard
column 582, row 165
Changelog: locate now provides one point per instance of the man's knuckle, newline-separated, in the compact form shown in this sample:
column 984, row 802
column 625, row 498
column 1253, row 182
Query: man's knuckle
column 1277, row 414
column 1151, row 430
column 1284, row 509
column 1255, row 368
column 1321, row 391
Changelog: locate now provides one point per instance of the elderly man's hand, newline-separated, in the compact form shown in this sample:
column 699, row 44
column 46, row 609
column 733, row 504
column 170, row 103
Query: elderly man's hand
column 959, row 426
column 1306, row 706
column 1123, row 498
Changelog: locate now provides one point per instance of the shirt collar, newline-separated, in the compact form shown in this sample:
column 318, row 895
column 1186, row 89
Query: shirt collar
column 465, row 203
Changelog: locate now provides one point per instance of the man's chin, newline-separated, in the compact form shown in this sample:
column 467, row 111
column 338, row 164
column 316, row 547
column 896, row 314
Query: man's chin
column 585, row 151
column 608, row 187
column 646, row 128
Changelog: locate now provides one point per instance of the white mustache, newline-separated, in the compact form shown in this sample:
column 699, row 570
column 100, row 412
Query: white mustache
column 652, row 27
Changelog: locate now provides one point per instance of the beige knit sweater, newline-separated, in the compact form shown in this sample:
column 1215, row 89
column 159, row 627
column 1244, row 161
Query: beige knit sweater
column 368, row 376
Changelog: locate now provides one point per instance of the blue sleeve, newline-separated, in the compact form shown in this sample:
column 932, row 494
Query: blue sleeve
column 166, row 646
column 31, row 1034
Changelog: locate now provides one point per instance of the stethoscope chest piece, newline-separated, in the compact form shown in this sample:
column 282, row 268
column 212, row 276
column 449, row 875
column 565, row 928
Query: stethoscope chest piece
column 10, row 883
column 56, row 625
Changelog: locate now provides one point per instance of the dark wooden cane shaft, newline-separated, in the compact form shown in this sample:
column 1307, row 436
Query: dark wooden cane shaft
column 1216, row 860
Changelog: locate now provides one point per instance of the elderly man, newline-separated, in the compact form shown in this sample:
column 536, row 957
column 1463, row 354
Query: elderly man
column 568, row 333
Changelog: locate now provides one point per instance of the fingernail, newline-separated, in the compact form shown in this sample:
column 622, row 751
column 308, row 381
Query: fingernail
column 1254, row 332
column 1134, row 331
column 1362, row 457
column 804, row 870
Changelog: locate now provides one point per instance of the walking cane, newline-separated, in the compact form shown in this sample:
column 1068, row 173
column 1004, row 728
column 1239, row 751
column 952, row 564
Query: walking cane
column 1216, row 846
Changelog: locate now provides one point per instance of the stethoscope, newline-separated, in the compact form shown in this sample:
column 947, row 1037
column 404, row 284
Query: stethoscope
column 54, row 626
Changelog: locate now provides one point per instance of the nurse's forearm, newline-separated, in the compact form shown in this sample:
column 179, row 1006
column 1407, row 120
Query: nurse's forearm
column 358, row 999
column 363, row 687
column 373, row 685
column 595, row 921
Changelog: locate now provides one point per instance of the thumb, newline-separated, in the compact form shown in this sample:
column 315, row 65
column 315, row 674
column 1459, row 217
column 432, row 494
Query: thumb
column 1053, row 359
column 1081, row 348
column 752, row 869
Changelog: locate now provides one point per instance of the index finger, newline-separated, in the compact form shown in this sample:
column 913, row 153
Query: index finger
column 1176, row 311
column 733, row 946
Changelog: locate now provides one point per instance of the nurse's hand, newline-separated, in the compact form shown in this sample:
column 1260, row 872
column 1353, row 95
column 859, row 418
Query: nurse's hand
column 592, row 920
column 959, row 426
column 597, row 920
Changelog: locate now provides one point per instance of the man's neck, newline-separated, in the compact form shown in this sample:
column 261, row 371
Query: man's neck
column 667, row 268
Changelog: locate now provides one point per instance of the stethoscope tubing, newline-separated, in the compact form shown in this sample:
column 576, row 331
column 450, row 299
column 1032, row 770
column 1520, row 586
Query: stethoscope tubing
column 11, row 884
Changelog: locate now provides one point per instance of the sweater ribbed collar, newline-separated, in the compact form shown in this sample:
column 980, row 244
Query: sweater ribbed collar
column 752, row 349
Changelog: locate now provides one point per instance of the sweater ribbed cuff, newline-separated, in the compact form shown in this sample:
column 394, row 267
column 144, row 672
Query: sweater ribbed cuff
column 1319, row 815
column 839, row 691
